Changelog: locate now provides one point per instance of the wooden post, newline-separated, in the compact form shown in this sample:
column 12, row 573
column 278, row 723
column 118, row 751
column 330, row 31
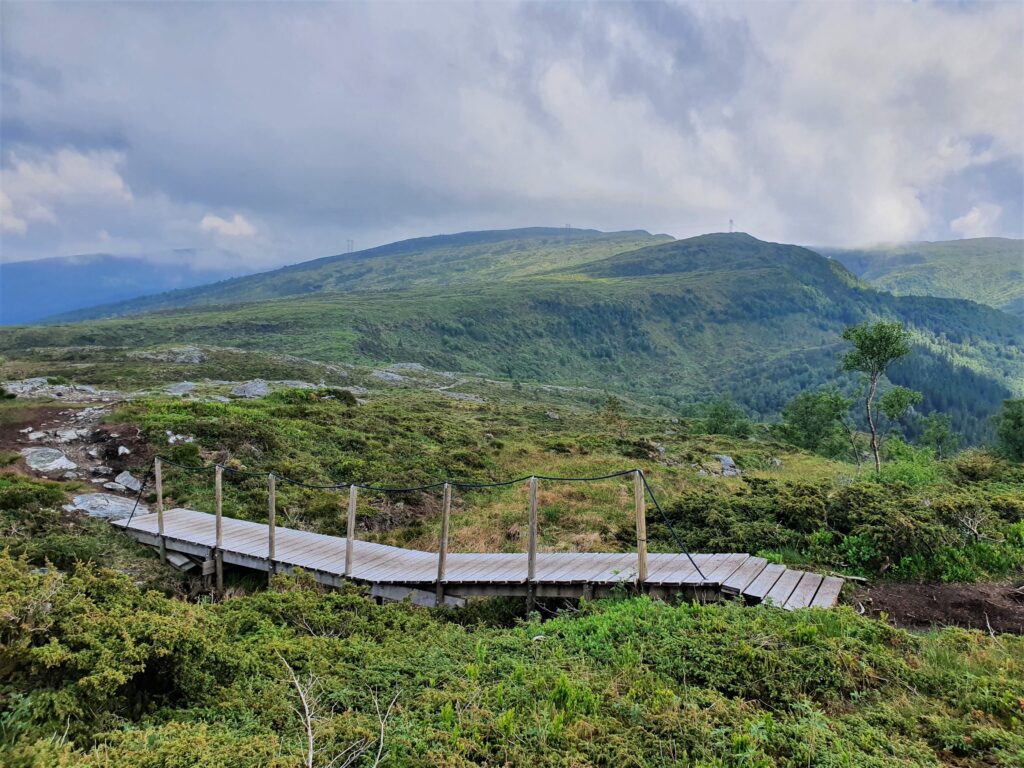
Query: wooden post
column 219, row 555
column 531, row 555
column 271, row 523
column 351, row 530
column 442, row 549
column 641, row 528
column 158, row 472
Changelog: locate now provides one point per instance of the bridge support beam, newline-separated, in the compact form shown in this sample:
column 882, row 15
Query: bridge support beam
column 641, row 529
column 271, row 525
column 159, row 476
column 350, row 530
column 442, row 549
column 218, row 483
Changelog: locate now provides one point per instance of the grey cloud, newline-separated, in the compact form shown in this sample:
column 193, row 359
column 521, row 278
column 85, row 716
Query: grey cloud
column 829, row 123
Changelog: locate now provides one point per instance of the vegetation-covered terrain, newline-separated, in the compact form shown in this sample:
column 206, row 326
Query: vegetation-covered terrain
column 673, row 323
column 109, row 659
column 989, row 270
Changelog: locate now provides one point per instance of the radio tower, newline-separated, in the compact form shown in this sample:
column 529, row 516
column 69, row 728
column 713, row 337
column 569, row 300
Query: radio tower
column 730, row 226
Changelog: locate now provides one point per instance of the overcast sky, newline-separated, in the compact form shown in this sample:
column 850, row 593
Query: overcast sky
column 277, row 132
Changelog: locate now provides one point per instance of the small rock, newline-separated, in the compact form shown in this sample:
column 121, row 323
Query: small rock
column 182, row 388
column 553, row 415
column 729, row 468
column 47, row 460
column 122, row 451
column 94, row 452
column 70, row 475
column 102, row 471
column 173, row 439
column 388, row 376
column 251, row 389
column 115, row 487
column 776, row 462
column 25, row 431
column 33, row 436
column 702, row 473
column 105, row 505
column 128, row 480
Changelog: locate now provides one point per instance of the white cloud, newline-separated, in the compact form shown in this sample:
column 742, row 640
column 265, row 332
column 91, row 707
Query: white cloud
column 977, row 222
column 35, row 188
column 238, row 226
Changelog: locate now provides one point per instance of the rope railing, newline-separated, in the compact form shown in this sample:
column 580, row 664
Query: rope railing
column 642, row 490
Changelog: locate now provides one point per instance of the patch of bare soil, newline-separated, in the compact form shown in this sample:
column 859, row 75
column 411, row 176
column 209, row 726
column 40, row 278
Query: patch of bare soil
column 990, row 607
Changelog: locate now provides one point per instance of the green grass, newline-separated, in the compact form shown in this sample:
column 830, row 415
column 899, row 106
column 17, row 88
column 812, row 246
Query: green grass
column 129, row 678
column 763, row 326
column 989, row 270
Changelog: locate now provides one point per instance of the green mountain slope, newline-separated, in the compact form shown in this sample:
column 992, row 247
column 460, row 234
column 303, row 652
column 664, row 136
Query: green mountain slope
column 989, row 270
column 673, row 322
column 424, row 261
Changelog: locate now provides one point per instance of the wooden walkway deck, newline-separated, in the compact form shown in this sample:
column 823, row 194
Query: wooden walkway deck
column 396, row 573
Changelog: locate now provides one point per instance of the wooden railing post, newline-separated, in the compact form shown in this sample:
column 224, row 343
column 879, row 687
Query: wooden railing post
column 219, row 529
column 351, row 530
column 531, row 555
column 641, row 528
column 159, row 475
column 271, row 524
column 442, row 549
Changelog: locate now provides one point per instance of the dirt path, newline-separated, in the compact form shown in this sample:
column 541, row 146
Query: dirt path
column 995, row 607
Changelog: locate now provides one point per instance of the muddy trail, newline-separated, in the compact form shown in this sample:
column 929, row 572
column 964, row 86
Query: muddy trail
column 990, row 607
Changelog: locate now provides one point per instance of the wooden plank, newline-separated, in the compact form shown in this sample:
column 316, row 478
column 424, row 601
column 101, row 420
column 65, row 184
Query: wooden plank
column 779, row 594
column 744, row 575
column 726, row 567
column 828, row 592
column 763, row 584
column 804, row 592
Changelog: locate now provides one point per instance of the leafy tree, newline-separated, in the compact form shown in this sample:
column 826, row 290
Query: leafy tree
column 897, row 401
column 875, row 346
column 722, row 416
column 1010, row 429
column 938, row 435
column 812, row 419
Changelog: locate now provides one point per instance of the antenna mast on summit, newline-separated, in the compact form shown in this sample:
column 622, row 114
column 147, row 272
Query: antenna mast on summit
column 730, row 226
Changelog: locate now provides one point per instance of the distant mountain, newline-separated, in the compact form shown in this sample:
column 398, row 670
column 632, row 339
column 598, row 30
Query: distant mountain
column 989, row 270
column 35, row 290
column 674, row 321
column 423, row 261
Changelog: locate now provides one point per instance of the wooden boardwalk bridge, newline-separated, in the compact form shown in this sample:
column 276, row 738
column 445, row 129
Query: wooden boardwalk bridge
column 432, row 577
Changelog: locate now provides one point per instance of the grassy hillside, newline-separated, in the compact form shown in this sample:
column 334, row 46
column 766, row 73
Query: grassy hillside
column 129, row 668
column 443, row 260
column 989, row 270
column 672, row 323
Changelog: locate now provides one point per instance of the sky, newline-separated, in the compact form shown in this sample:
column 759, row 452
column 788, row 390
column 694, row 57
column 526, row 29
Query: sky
column 265, row 133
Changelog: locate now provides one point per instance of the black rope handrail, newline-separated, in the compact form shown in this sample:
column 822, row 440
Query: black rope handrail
column 440, row 484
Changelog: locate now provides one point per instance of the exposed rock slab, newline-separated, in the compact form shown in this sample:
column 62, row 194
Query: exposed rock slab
column 47, row 460
column 105, row 505
column 251, row 389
